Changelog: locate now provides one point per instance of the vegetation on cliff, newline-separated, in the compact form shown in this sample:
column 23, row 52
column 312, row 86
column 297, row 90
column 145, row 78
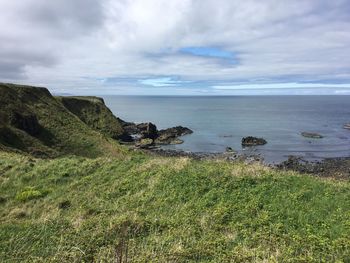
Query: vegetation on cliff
column 33, row 121
column 93, row 112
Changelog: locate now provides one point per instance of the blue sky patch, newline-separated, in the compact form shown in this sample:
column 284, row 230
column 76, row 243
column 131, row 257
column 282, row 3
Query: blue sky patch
column 211, row 52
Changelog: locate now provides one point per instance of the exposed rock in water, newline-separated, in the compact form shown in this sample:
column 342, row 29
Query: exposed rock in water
column 229, row 150
column 176, row 141
column 169, row 136
column 347, row 126
column 145, row 143
column 142, row 130
column 148, row 130
column 26, row 122
column 252, row 141
column 312, row 135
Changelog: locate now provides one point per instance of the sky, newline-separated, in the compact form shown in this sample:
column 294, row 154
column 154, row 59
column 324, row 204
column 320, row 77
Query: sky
column 177, row 47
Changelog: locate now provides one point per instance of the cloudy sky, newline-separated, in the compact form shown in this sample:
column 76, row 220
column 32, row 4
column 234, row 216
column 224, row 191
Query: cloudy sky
column 183, row 47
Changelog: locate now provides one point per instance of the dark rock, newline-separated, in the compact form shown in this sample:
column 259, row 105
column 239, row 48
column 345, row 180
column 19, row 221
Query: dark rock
column 130, row 128
column 148, row 130
column 252, row 141
column 169, row 136
column 137, row 132
column 125, row 137
column 143, row 130
column 26, row 122
column 333, row 167
column 229, row 150
column 295, row 163
column 312, row 135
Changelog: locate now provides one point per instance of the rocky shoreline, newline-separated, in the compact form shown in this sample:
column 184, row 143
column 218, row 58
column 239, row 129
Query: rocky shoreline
column 146, row 137
column 338, row 168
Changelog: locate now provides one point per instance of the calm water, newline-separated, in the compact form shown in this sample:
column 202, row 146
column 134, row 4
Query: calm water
column 219, row 122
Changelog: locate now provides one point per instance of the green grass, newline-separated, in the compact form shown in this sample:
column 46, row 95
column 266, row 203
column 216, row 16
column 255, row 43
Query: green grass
column 77, row 209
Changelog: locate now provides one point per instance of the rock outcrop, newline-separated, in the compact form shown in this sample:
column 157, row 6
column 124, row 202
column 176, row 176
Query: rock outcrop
column 170, row 135
column 145, row 143
column 229, row 150
column 312, row 135
column 347, row 126
column 253, row 141
column 149, row 130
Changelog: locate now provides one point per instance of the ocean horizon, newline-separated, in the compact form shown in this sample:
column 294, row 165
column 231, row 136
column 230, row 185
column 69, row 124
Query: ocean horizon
column 222, row 121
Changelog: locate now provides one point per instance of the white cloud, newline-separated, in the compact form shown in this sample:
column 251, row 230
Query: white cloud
column 56, row 43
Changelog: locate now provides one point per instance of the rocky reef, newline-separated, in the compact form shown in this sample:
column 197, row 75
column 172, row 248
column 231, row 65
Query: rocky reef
column 146, row 135
column 312, row 135
column 252, row 141
column 331, row 167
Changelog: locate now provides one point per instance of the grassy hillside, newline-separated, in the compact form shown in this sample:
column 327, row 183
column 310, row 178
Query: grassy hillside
column 33, row 121
column 148, row 209
column 93, row 112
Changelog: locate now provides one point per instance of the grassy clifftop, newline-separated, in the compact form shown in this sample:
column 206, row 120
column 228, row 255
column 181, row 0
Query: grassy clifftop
column 33, row 121
column 150, row 209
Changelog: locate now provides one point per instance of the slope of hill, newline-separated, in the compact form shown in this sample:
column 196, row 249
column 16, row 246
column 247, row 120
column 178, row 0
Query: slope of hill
column 33, row 121
column 153, row 209
column 93, row 112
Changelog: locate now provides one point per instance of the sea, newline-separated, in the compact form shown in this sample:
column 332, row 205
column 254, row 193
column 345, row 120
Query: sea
column 222, row 121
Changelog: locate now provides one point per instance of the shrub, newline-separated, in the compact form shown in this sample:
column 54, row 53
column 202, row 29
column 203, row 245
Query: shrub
column 29, row 193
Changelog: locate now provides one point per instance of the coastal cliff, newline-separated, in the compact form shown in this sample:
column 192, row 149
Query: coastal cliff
column 94, row 113
column 33, row 121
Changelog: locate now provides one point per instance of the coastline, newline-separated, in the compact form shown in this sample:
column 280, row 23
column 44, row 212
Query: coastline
column 338, row 167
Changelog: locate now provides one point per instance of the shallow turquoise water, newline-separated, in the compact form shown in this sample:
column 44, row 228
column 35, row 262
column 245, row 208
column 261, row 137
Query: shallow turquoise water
column 219, row 122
